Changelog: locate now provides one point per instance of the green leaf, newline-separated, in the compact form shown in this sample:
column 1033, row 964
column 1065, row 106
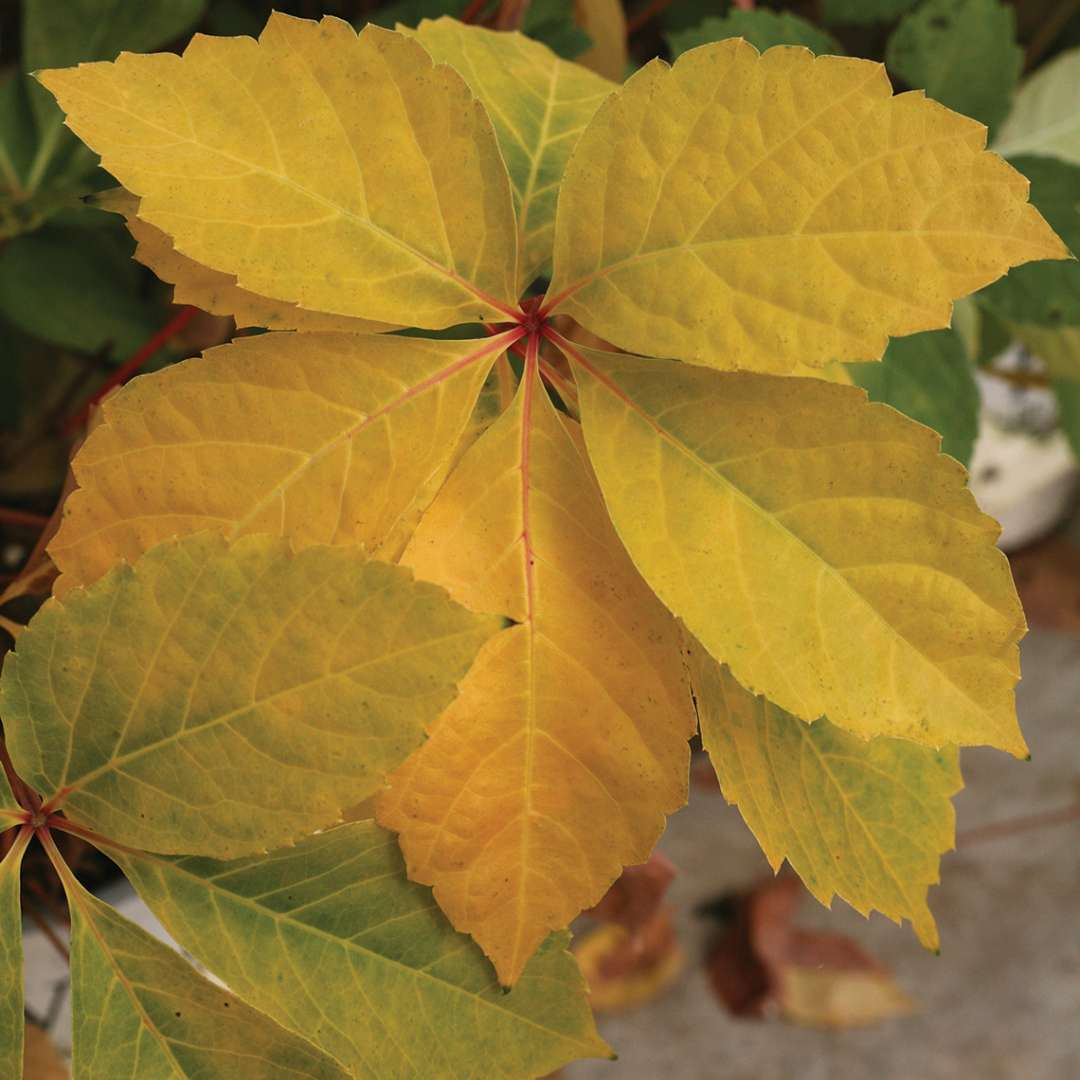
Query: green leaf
column 863, row 12
column 219, row 700
column 9, row 805
column 761, row 27
column 539, row 105
column 1044, row 117
column 816, row 543
column 17, row 135
column 62, row 35
column 331, row 940
column 863, row 820
column 963, row 53
column 762, row 210
column 1045, row 293
column 553, row 23
column 928, row 377
column 76, row 288
column 141, row 1012
column 1059, row 350
column 1067, row 392
column 12, row 1021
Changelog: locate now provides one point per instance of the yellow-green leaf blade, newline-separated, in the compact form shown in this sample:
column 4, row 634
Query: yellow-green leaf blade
column 539, row 105
column 742, row 210
column 12, row 1020
column 863, row 820
column 345, row 173
column 141, row 1012
column 321, row 438
column 331, row 940
column 568, row 746
column 213, row 291
column 9, row 805
column 816, row 543
column 221, row 700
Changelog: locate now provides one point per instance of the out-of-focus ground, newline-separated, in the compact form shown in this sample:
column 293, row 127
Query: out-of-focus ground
column 1002, row 1002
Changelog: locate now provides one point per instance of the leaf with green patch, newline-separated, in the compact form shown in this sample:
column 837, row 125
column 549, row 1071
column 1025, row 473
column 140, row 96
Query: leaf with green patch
column 865, row 820
column 1044, row 118
column 141, row 1012
column 332, row 940
column 1045, row 293
column 761, row 27
column 816, row 543
column 222, row 700
column 928, row 377
column 539, row 105
column 963, row 53
column 12, row 1020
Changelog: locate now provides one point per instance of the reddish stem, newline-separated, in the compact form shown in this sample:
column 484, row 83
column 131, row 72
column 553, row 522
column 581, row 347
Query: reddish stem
column 999, row 829
column 646, row 15
column 474, row 11
column 22, row 518
column 126, row 371
column 25, row 797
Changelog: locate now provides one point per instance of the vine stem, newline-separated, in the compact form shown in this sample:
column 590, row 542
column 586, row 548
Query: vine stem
column 22, row 519
column 127, row 370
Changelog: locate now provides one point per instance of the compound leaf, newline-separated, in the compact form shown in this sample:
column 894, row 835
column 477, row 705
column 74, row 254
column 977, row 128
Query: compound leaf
column 220, row 701
column 12, row 1020
column 539, row 105
column 761, row 27
column 331, row 940
column 928, row 377
column 214, row 291
column 568, row 745
column 323, row 438
column 747, row 211
column 816, row 543
column 1047, row 294
column 346, row 173
column 963, row 53
column 1044, row 117
column 863, row 820
column 140, row 1011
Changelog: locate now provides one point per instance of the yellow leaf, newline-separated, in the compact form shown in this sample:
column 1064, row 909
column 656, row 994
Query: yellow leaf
column 322, row 438
column 841, row 999
column 214, row 291
column 749, row 211
column 865, row 821
column 605, row 22
column 343, row 172
column 539, row 105
column 816, row 543
column 569, row 742
column 220, row 701
column 1058, row 347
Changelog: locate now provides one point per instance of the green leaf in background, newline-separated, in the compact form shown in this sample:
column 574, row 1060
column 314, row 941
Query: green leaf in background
column 1045, row 117
column 1045, row 293
column 761, row 27
column 1067, row 392
column 963, row 53
column 552, row 22
column 222, row 700
column 928, row 377
column 331, row 939
column 1059, row 350
column 141, row 1012
column 76, row 287
column 56, row 34
column 863, row 12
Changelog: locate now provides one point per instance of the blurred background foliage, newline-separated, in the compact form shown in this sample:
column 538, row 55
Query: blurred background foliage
column 78, row 315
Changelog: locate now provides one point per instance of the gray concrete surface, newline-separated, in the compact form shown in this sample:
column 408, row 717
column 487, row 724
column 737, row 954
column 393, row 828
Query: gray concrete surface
column 1002, row 1002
